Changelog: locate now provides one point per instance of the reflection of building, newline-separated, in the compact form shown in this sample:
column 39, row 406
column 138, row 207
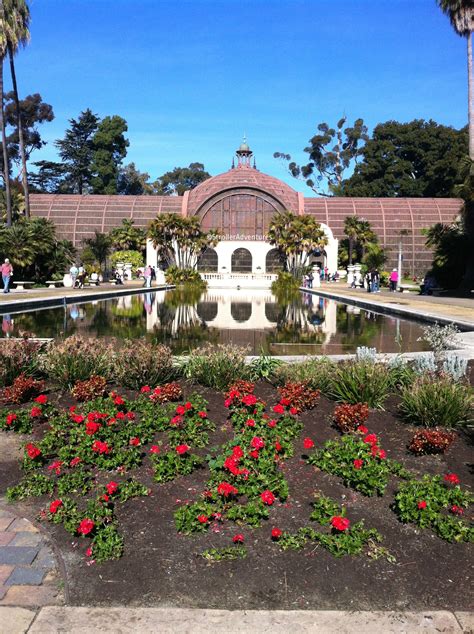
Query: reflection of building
column 240, row 203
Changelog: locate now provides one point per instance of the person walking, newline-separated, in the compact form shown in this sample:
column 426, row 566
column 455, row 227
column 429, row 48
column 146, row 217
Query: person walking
column 393, row 279
column 147, row 275
column 7, row 272
column 73, row 272
column 81, row 276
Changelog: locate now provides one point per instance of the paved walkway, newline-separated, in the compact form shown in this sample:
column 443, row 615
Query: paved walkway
column 179, row 621
column 28, row 567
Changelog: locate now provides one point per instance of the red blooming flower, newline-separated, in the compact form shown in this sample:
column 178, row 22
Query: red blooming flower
column 227, row 402
column 278, row 447
column 176, row 420
column 422, row 504
column 308, row 443
column 42, row 399
column 382, row 454
column 78, row 418
column 10, row 418
column 279, row 409
column 92, row 427
column 293, row 411
column 180, row 410
column 130, row 415
column 456, row 510
column 36, row 412
column 272, row 423
column 257, row 442
column 452, row 478
column 120, row 416
column 188, row 406
column 53, row 507
column 217, row 516
column 358, row 464
column 250, row 422
column 267, row 497
column 89, row 552
column 33, row 451
column 249, row 399
column 340, row 523
column 182, row 449
column 203, row 519
column 75, row 461
column 374, row 451
column 134, row 441
column 254, row 454
column 202, row 414
column 145, row 389
column 100, row 447
column 226, row 489
column 112, row 487
column 105, row 498
column 370, row 439
column 118, row 400
column 276, row 533
column 285, row 402
column 86, row 526
column 238, row 539
column 237, row 452
column 362, row 429
column 56, row 466
column 154, row 449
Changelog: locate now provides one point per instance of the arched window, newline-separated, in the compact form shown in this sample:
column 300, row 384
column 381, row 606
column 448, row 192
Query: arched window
column 207, row 261
column 273, row 262
column 241, row 261
column 207, row 311
column 241, row 311
column 272, row 311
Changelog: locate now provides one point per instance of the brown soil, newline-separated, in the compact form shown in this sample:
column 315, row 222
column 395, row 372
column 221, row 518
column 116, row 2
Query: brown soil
column 163, row 568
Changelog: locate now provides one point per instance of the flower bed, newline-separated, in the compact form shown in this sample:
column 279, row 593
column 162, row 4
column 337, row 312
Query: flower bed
column 189, row 488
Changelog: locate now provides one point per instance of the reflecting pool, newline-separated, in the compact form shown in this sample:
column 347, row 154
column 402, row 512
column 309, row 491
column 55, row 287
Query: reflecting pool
column 300, row 324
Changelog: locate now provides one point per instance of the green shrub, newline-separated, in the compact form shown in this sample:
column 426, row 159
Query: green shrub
column 316, row 373
column 77, row 359
column 139, row 363
column 217, row 366
column 437, row 402
column 360, row 382
column 175, row 275
column 18, row 357
column 135, row 258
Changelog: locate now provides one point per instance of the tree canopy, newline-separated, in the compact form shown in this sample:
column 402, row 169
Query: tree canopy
column 419, row 158
column 180, row 179
column 127, row 237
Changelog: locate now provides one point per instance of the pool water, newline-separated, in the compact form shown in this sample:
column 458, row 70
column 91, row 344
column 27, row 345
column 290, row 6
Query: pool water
column 297, row 325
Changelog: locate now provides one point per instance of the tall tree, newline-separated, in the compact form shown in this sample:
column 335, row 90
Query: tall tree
column 351, row 229
column 6, row 165
column 109, row 149
column 180, row 179
column 461, row 16
column 33, row 112
column 418, row 158
column 100, row 246
column 331, row 152
column 77, row 151
column 18, row 35
column 132, row 182
column 127, row 237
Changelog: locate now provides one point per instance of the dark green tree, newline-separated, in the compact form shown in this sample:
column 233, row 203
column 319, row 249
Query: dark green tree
column 180, row 179
column 100, row 246
column 419, row 158
column 132, row 182
column 33, row 112
column 77, row 150
column 331, row 152
column 127, row 237
column 450, row 245
column 109, row 149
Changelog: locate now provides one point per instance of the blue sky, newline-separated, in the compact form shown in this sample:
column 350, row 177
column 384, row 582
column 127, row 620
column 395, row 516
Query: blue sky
column 191, row 76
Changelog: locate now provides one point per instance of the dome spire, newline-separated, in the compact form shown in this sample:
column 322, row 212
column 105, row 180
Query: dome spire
column 244, row 153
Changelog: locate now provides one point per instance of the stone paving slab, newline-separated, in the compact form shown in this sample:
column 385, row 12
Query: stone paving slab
column 15, row 620
column 17, row 555
column 24, row 576
column 183, row 621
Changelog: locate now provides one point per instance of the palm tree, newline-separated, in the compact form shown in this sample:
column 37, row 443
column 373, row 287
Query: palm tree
column 6, row 168
column 351, row 229
column 461, row 16
column 128, row 237
column 365, row 235
column 100, row 246
column 18, row 34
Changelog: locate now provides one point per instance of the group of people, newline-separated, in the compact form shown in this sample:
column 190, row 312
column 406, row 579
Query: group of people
column 372, row 281
column 78, row 276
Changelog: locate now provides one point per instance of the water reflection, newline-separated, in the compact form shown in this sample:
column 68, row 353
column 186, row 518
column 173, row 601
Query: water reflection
column 292, row 324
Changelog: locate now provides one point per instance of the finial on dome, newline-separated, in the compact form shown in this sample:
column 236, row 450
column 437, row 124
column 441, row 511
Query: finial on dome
column 244, row 153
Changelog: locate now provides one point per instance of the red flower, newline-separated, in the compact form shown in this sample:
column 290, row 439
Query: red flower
column 382, row 454
column 203, row 519
column 78, row 418
column 278, row 447
column 227, row 402
column 267, row 497
column 176, row 420
column 340, row 523
column 36, row 412
column 154, row 449
column 75, row 461
column 118, row 400
column 182, row 449
column 92, row 427
column 456, row 510
column 276, row 533
column 217, row 516
column 308, row 443
column 105, row 498
column 237, row 452
column 226, row 489
column 285, row 402
column 272, row 423
column 374, row 451
column 42, row 399
column 358, row 464
column 86, row 526
column 362, row 429
column 145, row 389
column 120, row 416
column 53, row 507
column 249, row 399
column 257, row 442
column 254, row 454
column 134, row 441
column 10, row 418
column 56, row 466
column 279, row 409
column 238, row 539
column 89, row 552
column 112, row 487
column 422, row 504
column 100, row 447
column 202, row 414
column 180, row 410
column 32, row 451
column 370, row 439
column 293, row 411
column 452, row 478
column 131, row 415
column 188, row 406
column 250, row 422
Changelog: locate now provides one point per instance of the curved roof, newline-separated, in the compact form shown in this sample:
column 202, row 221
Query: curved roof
column 242, row 177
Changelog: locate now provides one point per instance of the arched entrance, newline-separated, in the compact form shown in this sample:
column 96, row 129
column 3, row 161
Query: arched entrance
column 241, row 261
column 208, row 261
column 273, row 262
